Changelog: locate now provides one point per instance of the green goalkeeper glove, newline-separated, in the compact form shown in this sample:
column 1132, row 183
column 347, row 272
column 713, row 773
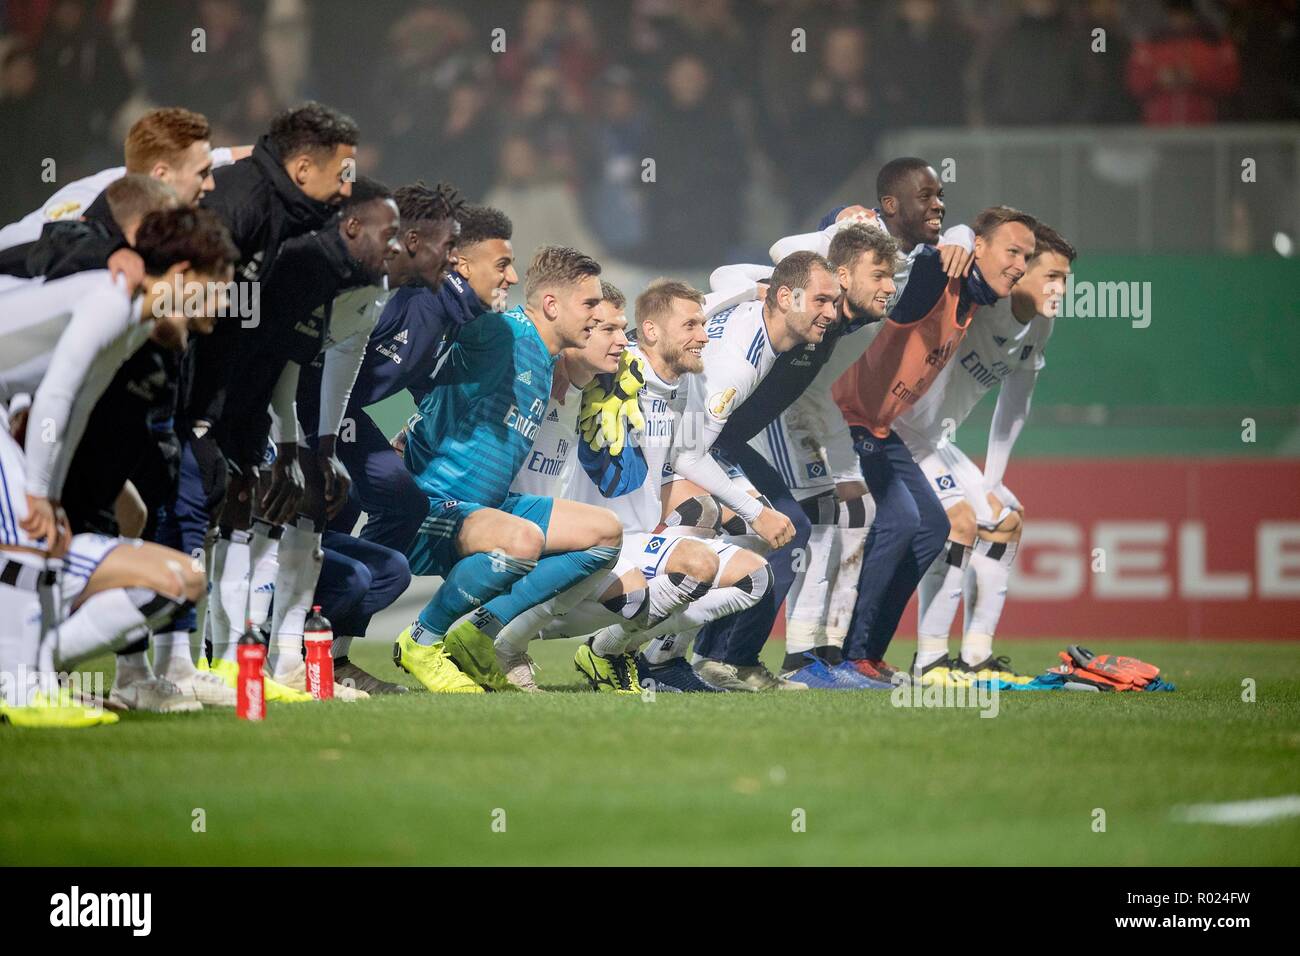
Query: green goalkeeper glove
column 609, row 410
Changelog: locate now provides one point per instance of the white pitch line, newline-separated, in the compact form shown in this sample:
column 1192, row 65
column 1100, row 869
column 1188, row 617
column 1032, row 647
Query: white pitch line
column 1241, row 813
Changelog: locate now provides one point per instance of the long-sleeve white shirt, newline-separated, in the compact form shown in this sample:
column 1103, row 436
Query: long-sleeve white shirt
column 100, row 327
column 72, row 200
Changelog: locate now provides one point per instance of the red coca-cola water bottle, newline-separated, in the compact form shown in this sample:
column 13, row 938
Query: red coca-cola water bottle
column 317, row 641
column 250, row 690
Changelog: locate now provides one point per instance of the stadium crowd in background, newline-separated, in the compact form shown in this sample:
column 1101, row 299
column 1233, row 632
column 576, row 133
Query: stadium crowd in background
column 561, row 119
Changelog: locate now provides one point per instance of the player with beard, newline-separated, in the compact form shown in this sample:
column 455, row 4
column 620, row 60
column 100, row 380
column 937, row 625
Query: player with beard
column 824, row 471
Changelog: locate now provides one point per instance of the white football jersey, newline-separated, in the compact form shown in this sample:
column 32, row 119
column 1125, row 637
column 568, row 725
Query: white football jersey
column 72, row 200
column 549, row 469
column 995, row 345
column 64, row 340
column 662, row 405
column 737, row 357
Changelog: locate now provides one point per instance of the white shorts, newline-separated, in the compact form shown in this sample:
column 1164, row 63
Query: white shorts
column 955, row 478
column 797, row 456
column 84, row 556
column 648, row 553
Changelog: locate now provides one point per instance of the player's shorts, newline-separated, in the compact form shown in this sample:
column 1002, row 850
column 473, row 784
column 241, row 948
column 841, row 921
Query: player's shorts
column 648, row 553
column 956, row 478
column 84, row 556
column 85, row 553
column 434, row 548
column 797, row 456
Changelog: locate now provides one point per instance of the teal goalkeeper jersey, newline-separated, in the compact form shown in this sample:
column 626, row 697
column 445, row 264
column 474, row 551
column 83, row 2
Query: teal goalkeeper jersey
column 476, row 425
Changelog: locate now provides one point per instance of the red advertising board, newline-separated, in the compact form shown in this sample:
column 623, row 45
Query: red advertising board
column 1148, row 547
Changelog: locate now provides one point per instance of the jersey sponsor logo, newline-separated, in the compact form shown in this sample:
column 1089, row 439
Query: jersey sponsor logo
column 549, row 465
column 526, row 376
column 526, row 424
column 449, row 504
column 390, row 349
column 553, row 415
column 986, row 377
column 1000, row 339
column 815, row 469
column 945, row 482
column 908, row 395
column 720, row 402
column 655, row 544
column 1024, row 352
column 667, row 470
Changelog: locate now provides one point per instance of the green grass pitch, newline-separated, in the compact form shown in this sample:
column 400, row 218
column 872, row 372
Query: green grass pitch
column 578, row 778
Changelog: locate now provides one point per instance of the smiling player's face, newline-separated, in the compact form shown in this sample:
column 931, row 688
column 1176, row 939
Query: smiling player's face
column 920, row 208
column 608, row 339
column 575, row 311
column 813, row 307
column 870, row 284
column 1003, row 255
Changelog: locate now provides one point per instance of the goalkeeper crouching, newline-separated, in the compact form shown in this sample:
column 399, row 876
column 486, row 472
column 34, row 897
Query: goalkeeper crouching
column 500, row 553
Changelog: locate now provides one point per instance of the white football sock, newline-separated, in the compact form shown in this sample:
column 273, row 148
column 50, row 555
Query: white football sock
column 718, row 603
column 295, row 584
column 844, row 585
column 668, row 593
column 515, row 636
column 939, row 594
column 990, row 576
column 228, row 597
column 663, row 649
column 264, row 550
column 171, row 655
column 20, row 637
column 105, row 622
column 976, row 648
column 805, row 605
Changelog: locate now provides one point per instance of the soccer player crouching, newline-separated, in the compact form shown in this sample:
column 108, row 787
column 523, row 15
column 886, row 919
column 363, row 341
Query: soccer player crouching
column 111, row 590
column 473, row 433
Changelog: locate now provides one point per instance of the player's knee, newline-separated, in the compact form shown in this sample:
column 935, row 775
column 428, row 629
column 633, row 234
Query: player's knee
column 962, row 526
column 357, row 578
column 175, row 576
column 698, row 512
column 694, row 559
column 905, row 520
column 629, row 583
column 524, row 541
column 756, row 582
column 607, row 529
